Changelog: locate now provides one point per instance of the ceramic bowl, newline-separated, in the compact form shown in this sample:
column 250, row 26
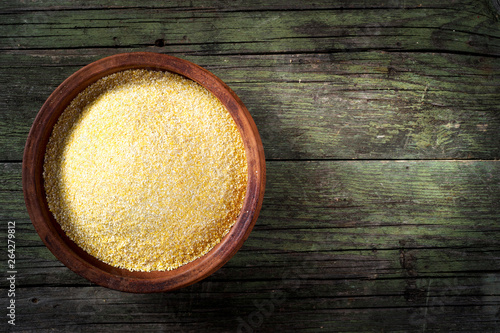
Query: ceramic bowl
column 91, row 268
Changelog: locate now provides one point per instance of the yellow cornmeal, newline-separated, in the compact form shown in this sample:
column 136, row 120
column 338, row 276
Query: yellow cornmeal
column 145, row 170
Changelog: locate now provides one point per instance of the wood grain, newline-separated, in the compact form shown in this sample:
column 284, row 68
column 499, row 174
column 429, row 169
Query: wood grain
column 462, row 27
column 321, row 84
column 336, row 239
column 365, row 105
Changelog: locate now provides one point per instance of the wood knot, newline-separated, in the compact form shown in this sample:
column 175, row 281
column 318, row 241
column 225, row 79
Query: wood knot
column 160, row 42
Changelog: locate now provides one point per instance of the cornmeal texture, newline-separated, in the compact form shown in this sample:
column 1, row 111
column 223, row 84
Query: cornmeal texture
column 145, row 170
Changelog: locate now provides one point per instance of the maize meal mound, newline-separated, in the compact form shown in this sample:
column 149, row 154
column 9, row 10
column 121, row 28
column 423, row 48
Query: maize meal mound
column 145, row 170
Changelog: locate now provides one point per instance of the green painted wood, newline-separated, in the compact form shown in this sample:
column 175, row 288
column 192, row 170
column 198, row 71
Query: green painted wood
column 222, row 5
column 213, row 312
column 426, row 88
column 335, row 240
column 365, row 105
column 469, row 26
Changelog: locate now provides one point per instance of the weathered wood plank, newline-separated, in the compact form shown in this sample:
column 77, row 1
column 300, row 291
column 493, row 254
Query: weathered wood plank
column 311, row 95
column 359, row 204
column 335, row 239
column 222, row 5
column 366, row 105
column 68, row 309
column 300, row 302
column 469, row 26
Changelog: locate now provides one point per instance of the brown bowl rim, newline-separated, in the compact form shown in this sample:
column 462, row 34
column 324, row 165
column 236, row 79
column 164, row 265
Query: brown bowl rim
column 89, row 267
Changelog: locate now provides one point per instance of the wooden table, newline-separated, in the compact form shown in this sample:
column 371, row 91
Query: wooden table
column 381, row 126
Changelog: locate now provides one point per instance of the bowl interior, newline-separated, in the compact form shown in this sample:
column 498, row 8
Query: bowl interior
column 88, row 266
